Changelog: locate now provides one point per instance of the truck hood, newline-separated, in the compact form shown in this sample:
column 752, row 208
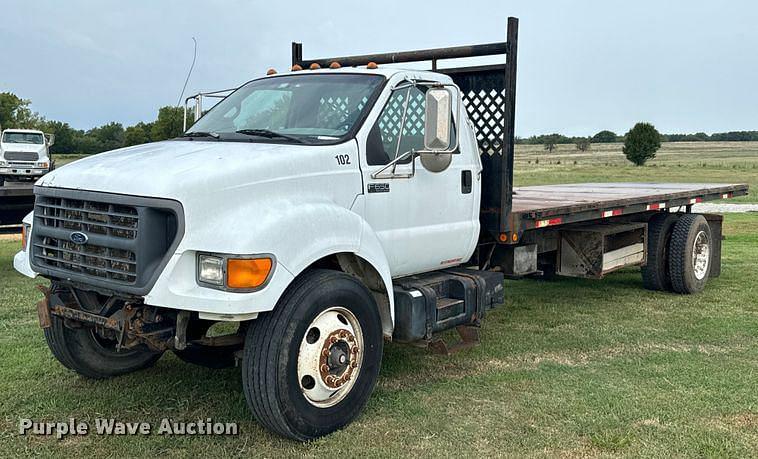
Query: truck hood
column 24, row 147
column 183, row 169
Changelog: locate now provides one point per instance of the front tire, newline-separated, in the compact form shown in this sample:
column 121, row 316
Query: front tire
column 84, row 351
column 690, row 252
column 310, row 365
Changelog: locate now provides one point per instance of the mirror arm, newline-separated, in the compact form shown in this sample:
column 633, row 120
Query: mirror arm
column 402, row 126
column 393, row 163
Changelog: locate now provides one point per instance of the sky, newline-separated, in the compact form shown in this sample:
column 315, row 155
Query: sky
column 583, row 66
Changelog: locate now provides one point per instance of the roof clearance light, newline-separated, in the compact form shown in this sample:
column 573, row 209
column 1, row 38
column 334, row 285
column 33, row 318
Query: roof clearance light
column 334, row 65
column 314, row 66
column 372, row 66
column 271, row 72
column 296, row 68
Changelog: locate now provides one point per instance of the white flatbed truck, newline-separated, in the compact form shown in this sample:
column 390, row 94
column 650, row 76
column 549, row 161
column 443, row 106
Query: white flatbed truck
column 325, row 210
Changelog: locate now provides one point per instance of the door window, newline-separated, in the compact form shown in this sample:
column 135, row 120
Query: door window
column 382, row 144
column 382, row 141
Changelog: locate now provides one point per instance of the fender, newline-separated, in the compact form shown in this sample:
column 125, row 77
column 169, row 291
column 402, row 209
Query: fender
column 21, row 259
column 298, row 233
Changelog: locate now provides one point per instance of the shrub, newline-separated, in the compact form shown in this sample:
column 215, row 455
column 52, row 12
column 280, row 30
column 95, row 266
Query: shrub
column 641, row 143
column 604, row 137
column 583, row 144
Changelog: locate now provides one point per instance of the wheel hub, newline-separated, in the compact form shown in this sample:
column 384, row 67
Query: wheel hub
column 330, row 357
column 339, row 357
column 701, row 254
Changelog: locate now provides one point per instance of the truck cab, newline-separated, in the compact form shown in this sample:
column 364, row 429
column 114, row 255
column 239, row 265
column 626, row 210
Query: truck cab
column 24, row 154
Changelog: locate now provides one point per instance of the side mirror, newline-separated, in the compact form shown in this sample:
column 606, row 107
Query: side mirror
column 50, row 139
column 438, row 125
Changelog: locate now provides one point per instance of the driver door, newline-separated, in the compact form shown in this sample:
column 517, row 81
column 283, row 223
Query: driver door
column 427, row 221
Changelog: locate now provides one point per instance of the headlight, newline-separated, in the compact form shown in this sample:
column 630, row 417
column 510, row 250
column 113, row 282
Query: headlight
column 44, row 165
column 234, row 272
column 3, row 163
column 210, row 269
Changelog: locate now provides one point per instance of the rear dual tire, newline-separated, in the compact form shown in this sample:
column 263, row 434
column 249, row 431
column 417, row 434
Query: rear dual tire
column 679, row 253
column 655, row 275
column 690, row 254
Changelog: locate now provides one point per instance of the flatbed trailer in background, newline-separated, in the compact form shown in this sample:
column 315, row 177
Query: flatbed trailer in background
column 16, row 200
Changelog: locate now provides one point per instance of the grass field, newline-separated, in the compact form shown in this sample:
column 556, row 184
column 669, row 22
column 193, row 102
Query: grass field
column 567, row 368
column 715, row 162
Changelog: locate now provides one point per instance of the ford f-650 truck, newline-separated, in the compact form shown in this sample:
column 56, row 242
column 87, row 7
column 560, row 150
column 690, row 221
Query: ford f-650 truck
column 325, row 210
column 24, row 154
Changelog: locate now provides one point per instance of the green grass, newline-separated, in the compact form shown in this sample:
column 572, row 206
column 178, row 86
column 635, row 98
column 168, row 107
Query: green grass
column 565, row 368
column 701, row 162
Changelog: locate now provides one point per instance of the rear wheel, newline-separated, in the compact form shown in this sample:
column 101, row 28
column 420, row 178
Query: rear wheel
column 310, row 365
column 690, row 251
column 85, row 351
column 655, row 275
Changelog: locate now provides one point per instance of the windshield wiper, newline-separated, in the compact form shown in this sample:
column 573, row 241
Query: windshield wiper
column 269, row 134
column 201, row 134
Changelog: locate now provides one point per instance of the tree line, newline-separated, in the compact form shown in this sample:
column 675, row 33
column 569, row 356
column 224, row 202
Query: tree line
column 611, row 137
column 15, row 112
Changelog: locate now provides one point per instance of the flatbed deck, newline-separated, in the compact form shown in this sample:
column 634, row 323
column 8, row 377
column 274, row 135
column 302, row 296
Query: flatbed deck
column 550, row 205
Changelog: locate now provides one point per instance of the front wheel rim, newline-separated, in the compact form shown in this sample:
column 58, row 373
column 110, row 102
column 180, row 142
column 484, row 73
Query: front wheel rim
column 330, row 356
column 701, row 255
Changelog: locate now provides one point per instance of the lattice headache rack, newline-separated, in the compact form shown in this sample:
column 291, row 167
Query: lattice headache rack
column 488, row 94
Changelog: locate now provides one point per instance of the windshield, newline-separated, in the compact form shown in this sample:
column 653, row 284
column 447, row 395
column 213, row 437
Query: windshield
column 23, row 137
column 308, row 107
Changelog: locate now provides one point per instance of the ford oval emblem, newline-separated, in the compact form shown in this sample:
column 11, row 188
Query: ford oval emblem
column 78, row 238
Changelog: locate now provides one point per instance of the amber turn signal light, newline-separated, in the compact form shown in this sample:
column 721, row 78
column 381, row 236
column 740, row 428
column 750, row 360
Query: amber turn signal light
column 247, row 272
column 24, row 235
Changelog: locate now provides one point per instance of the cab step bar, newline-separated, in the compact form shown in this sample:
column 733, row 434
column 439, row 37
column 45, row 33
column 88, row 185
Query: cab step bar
column 427, row 304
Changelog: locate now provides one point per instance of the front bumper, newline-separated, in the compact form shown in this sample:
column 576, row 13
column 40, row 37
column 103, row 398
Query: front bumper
column 23, row 171
column 21, row 264
column 176, row 288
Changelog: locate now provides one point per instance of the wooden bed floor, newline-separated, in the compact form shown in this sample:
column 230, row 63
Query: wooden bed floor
column 580, row 196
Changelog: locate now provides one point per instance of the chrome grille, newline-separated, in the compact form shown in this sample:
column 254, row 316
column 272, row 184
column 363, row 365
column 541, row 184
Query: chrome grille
column 21, row 156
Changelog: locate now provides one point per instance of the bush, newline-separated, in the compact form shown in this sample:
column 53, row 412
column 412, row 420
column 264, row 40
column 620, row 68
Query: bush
column 641, row 143
column 604, row 137
column 583, row 144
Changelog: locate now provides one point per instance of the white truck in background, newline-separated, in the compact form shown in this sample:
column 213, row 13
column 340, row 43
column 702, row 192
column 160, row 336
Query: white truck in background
column 323, row 211
column 25, row 154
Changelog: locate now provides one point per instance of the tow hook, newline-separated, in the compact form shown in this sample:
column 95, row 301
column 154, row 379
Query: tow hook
column 43, row 307
column 180, row 340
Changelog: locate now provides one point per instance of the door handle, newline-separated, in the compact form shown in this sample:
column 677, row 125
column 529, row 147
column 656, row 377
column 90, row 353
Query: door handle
column 466, row 182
